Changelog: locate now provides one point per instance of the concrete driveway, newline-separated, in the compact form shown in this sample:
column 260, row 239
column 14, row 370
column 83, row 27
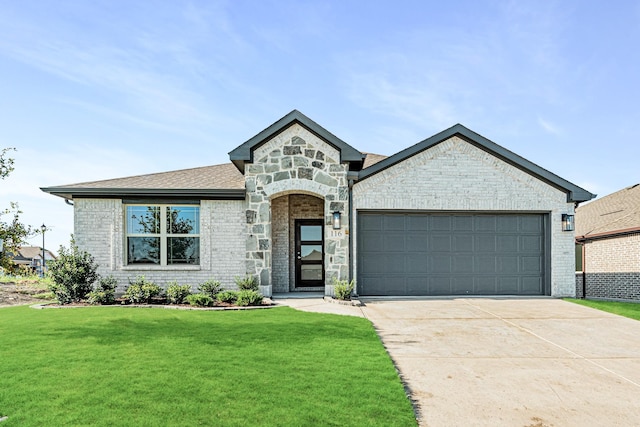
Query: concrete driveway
column 513, row 362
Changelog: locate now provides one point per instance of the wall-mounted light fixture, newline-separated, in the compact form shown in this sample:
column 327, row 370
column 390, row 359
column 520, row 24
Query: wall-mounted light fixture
column 568, row 222
column 336, row 220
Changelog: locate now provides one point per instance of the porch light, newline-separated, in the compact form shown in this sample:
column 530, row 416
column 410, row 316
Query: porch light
column 568, row 222
column 336, row 220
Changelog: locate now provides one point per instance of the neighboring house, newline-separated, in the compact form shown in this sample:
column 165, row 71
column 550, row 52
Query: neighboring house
column 608, row 239
column 455, row 214
column 31, row 258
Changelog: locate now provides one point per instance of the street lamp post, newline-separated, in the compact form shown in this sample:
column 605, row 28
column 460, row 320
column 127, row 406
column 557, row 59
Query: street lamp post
column 43, row 228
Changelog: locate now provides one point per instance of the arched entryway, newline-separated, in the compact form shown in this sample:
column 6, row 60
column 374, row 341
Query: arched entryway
column 297, row 222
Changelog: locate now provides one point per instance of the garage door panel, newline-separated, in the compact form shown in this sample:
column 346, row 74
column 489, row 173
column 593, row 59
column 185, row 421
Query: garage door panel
column 440, row 243
column 531, row 264
column 463, row 243
column 462, row 264
column 532, row 286
column 393, row 242
column 485, row 285
column 394, row 222
column 530, row 243
column 440, row 223
column 439, row 285
column 451, row 254
column 417, row 242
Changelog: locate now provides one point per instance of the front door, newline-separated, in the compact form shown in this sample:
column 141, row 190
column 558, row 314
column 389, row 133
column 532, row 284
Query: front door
column 309, row 253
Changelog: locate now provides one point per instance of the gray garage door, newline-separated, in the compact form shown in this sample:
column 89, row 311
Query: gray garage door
column 450, row 254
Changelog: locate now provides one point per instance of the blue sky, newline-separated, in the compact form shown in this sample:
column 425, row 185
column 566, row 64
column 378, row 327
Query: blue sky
column 105, row 89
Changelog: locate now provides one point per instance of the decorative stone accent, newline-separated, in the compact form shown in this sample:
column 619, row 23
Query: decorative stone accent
column 284, row 168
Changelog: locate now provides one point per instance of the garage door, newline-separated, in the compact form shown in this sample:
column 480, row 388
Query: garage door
column 450, row 254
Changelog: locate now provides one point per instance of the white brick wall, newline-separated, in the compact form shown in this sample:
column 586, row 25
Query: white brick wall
column 99, row 229
column 457, row 176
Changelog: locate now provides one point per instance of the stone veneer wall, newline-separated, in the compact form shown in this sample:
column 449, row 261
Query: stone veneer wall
column 99, row 229
column 612, row 268
column 457, row 176
column 294, row 162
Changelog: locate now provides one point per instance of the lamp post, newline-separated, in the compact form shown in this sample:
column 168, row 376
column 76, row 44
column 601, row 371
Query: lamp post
column 43, row 228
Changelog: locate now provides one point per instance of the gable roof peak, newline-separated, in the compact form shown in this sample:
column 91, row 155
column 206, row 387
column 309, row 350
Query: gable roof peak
column 244, row 153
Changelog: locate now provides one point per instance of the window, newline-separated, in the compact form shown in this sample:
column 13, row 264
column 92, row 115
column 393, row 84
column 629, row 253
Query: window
column 162, row 234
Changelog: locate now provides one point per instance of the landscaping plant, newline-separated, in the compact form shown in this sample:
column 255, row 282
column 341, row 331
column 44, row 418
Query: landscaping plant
column 211, row 287
column 245, row 298
column 141, row 290
column 73, row 274
column 200, row 300
column 342, row 289
column 105, row 292
column 247, row 283
column 177, row 294
column 228, row 297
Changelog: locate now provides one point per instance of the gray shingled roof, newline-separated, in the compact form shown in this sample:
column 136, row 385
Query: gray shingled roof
column 618, row 212
column 210, row 181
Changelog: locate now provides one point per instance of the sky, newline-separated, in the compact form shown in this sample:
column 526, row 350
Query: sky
column 93, row 90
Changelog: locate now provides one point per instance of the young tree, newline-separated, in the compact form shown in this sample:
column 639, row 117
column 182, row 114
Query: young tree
column 12, row 233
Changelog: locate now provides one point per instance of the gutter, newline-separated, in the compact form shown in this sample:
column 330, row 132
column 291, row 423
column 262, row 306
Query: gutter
column 607, row 234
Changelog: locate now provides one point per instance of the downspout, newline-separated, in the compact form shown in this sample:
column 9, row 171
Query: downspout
column 69, row 202
column 584, row 270
column 350, row 230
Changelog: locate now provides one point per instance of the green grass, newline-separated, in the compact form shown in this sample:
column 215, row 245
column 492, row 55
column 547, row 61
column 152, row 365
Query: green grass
column 626, row 309
column 105, row 366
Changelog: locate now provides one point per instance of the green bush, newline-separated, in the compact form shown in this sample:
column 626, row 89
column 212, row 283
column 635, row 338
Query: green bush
column 141, row 290
column 200, row 300
column 229, row 297
column 342, row 289
column 247, row 283
column 211, row 288
column 105, row 292
column 176, row 294
column 73, row 274
column 246, row 298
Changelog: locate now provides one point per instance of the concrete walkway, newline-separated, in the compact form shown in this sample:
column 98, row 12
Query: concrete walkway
column 508, row 362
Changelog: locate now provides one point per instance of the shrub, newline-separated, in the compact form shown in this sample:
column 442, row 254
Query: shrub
column 342, row 289
column 246, row 298
column 73, row 274
column 105, row 292
column 247, row 283
column 176, row 294
column 229, row 297
column 211, row 288
column 200, row 300
column 141, row 290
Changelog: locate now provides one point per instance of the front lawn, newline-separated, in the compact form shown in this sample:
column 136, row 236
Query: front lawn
column 627, row 309
column 128, row 366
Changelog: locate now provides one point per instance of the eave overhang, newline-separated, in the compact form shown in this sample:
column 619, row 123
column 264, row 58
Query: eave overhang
column 70, row 193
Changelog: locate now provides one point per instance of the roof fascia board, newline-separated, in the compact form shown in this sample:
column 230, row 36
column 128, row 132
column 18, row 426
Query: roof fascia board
column 70, row 193
column 607, row 234
column 574, row 193
column 244, row 153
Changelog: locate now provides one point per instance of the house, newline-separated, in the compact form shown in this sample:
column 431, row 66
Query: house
column 455, row 214
column 31, row 258
column 608, row 239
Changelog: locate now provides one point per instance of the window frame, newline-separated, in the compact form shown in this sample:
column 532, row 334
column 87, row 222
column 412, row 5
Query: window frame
column 164, row 235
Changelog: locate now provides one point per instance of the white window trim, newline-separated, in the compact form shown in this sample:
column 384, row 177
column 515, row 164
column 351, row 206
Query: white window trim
column 163, row 235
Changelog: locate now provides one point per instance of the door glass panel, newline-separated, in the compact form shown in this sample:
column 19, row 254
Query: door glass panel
column 311, row 272
column 311, row 232
column 311, row 252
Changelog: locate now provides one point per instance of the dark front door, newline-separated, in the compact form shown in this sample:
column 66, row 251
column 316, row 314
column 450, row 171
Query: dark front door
column 309, row 253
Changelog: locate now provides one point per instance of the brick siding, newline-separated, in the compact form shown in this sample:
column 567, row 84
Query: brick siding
column 99, row 229
column 612, row 268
